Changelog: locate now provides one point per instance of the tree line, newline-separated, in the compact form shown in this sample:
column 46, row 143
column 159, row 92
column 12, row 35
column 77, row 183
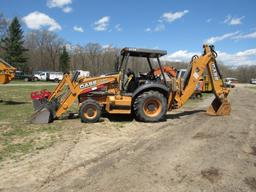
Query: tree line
column 45, row 50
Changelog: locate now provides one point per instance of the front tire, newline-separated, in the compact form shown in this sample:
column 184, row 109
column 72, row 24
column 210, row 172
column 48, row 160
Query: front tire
column 90, row 111
column 150, row 106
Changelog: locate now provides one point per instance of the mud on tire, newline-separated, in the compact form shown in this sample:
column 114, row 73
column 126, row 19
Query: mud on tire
column 150, row 106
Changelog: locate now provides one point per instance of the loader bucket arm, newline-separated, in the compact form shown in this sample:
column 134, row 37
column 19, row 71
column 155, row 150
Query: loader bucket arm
column 65, row 93
column 220, row 105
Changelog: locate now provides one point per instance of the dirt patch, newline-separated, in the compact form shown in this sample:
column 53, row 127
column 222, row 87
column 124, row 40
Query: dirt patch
column 187, row 152
column 212, row 174
column 251, row 182
column 249, row 149
column 253, row 152
column 202, row 135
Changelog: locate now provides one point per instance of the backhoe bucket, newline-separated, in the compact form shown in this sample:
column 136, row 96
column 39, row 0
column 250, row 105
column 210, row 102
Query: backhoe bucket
column 219, row 107
column 41, row 116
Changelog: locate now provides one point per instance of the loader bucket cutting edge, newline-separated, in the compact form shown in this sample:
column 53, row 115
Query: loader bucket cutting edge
column 41, row 116
column 219, row 107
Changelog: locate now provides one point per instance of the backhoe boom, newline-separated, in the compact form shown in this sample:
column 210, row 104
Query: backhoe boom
column 198, row 66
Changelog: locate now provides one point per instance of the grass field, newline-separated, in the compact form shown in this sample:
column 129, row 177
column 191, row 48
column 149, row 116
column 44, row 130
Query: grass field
column 17, row 136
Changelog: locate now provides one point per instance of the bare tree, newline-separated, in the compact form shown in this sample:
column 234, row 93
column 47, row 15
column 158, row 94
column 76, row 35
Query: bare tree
column 44, row 48
column 3, row 25
column 93, row 50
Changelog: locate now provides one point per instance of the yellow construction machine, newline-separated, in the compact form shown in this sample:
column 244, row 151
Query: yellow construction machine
column 7, row 72
column 148, row 96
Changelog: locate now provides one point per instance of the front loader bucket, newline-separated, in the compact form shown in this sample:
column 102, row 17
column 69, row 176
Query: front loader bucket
column 219, row 107
column 45, row 114
column 39, row 103
column 41, row 116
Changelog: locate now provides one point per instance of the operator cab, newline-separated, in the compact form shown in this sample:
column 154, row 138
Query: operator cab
column 129, row 80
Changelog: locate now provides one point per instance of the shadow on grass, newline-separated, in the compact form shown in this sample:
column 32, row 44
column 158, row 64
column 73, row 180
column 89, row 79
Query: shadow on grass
column 130, row 117
column 10, row 102
column 119, row 117
column 184, row 113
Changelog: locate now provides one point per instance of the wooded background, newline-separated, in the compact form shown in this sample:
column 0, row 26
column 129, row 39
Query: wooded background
column 43, row 50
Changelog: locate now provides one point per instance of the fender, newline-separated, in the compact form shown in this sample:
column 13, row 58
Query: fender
column 151, row 86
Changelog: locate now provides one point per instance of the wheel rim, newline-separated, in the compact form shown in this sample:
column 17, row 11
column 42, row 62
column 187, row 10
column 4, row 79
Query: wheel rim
column 90, row 112
column 152, row 107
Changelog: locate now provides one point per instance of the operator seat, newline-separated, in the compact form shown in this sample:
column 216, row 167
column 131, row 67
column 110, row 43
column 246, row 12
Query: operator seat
column 130, row 84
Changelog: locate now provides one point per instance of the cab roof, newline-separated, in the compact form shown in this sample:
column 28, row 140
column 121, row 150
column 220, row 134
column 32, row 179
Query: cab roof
column 140, row 52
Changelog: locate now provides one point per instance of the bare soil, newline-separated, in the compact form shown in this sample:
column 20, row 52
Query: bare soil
column 190, row 151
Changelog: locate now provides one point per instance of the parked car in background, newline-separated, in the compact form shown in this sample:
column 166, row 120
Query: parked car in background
column 48, row 76
column 23, row 76
column 229, row 83
column 253, row 81
column 231, row 79
column 83, row 73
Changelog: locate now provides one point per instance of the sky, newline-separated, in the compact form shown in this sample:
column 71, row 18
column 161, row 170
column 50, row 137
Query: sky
column 179, row 26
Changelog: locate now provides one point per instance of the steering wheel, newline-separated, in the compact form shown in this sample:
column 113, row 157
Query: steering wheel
column 150, row 75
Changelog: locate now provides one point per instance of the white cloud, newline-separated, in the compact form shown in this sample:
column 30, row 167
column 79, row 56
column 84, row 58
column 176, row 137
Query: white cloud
column 209, row 20
column 148, row 29
column 246, row 57
column 159, row 27
column 67, row 9
column 118, row 28
column 37, row 20
column 168, row 17
column 234, row 36
column 63, row 4
column 233, row 20
column 213, row 40
column 245, row 36
column 180, row 56
column 172, row 16
column 58, row 3
column 78, row 29
column 107, row 46
column 102, row 24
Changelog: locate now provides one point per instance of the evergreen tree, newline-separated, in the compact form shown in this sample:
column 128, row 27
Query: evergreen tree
column 64, row 60
column 12, row 45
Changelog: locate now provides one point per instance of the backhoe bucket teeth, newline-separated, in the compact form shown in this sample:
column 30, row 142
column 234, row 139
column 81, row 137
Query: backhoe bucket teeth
column 219, row 107
column 41, row 116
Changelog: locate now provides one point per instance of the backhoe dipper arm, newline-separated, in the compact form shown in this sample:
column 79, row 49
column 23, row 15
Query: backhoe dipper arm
column 199, row 65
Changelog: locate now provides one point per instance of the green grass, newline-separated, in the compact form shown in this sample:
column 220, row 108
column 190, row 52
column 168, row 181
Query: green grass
column 17, row 136
column 252, row 87
column 193, row 102
column 22, row 82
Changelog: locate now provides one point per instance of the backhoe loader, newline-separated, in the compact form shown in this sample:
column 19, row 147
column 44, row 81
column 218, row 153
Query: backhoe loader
column 148, row 96
column 7, row 72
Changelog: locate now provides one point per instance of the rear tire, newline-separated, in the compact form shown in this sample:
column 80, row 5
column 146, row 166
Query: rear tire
column 35, row 79
column 90, row 111
column 150, row 106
